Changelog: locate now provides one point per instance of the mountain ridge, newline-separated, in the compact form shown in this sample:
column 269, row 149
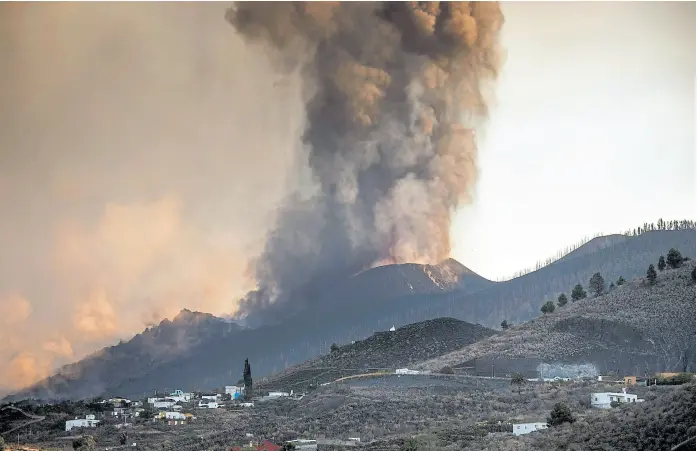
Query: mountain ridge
column 210, row 358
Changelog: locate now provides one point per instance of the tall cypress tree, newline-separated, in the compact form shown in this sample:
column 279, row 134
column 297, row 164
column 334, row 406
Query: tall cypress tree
column 247, row 377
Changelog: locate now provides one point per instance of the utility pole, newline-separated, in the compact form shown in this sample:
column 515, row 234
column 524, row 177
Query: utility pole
column 492, row 370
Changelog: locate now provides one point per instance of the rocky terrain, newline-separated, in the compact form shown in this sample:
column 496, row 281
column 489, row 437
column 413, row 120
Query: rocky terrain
column 209, row 353
column 635, row 328
column 382, row 351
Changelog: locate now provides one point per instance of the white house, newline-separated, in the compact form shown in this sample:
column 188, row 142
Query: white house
column 174, row 416
column 407, row 371
column 392, row 329
column 87, row 422
column 179, row 396
column 604, row 400
column 278, row 394
column 208, row 405
column 526, row 428
column 209, row 397
column 232, row 390
column 247, row 404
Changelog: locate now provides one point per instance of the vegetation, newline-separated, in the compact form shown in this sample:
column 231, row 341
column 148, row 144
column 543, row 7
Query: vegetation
column 684, row 224
column 661, row 263
column 547, row 307
column 560, row 414
column 620, row 281
column 504, row 324
column 517, row 380
column 674, row 259
column 597, row 285
column 85, row 443
column 447, row 370
column 562, row 300
column 247, row 376
column 651, row 275
column 334, row 347
column 578, row 293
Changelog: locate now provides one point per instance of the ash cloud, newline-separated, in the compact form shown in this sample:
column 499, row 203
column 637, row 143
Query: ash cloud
column 139, row 166
column 394, row 93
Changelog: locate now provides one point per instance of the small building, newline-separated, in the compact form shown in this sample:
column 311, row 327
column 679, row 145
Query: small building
column 208, row 405
column 233, row 390
column 247, row 404
column 392, row 329
column 407, row 371
column 87, row 422
column 179, row 396
column 526, row 428
column 304, row 444
column 278, row 394
column 605, row 400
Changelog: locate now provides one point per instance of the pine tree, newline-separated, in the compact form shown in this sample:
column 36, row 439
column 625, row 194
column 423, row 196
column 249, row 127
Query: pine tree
column 674, row 259
column 547, row 307
column 597, row 285
column 518, row 380
column 561, row 300
column 651, row 275
column 661, row 263
column 504, row 324
column 620, row 281
column 578, row 293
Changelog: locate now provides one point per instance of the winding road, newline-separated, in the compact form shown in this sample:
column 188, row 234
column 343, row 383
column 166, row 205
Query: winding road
column 33, row 419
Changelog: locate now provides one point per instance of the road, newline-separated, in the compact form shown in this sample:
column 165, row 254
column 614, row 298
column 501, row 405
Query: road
column 33, row 419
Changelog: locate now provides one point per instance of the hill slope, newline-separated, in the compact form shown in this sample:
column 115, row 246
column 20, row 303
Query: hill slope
column 384, row 350
column 352, row 310
column 637, row 328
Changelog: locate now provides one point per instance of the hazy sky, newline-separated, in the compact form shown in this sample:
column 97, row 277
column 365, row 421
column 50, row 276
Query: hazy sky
column 144, row 150
column 593, row 132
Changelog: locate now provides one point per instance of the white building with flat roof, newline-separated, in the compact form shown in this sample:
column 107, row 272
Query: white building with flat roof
column 526, row 428
column 605, row 400
column 87, row 422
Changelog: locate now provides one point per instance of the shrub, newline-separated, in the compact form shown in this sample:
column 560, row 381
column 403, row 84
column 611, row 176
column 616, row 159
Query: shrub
column 597, row 284
column 661, row 263
column 578, row 293
column 561, row 413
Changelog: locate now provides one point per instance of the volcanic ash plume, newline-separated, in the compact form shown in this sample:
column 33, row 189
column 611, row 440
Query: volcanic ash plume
column 395, row 91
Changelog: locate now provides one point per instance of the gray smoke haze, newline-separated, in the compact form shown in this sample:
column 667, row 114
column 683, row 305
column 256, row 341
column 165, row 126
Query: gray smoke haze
column 144, row 148
column 394, row 93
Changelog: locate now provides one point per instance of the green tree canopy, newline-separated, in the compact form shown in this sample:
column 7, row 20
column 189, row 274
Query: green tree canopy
column 504, row 324
column 661, row 263
column 674, row 259
column 620, row 281
column 597, row 285
column 562, row 300
column 651, row 274
column 518, row 380
column 578, row 293
column 547, row 307
column 561, row 413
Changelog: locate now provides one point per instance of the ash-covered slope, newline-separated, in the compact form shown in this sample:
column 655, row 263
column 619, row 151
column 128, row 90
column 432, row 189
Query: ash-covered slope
column 384, row 350
column 635, row 329
column 347, row 311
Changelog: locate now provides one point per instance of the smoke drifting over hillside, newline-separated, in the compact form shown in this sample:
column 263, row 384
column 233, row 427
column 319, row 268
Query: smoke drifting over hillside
column 139, row 167
column 394, row 92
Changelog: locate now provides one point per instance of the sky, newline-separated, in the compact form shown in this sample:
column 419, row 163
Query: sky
column 593, row 130
column 144, row 150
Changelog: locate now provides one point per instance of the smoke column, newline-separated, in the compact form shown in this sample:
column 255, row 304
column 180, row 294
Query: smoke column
column 394, row 93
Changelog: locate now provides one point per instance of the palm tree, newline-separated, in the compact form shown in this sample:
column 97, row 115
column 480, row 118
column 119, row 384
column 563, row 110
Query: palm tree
column 518, row 380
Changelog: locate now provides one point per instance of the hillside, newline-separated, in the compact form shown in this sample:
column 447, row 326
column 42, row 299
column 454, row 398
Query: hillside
column 657, row 424
column 384, row 350
column 212, row 356
column 636, row 328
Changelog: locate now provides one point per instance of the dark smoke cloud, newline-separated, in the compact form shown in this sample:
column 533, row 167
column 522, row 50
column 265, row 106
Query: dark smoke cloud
column 394, row 91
